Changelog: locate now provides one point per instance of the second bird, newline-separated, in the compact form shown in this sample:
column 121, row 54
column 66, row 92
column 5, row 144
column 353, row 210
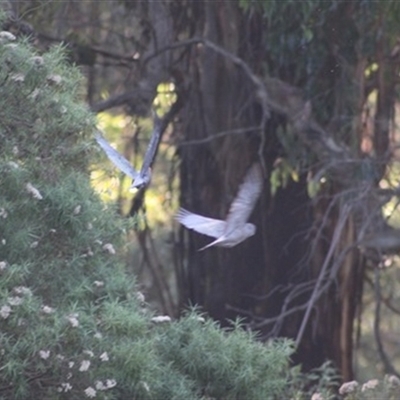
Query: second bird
column 235, row 229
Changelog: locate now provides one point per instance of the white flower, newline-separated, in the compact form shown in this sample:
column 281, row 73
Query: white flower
column 5, row 311
column 317, row 396
column 140, row 297
column 65, row 387
column 77, row 209
column 47, row 309
column 371, row 384
column 348, row 387
column 54, row 79
column 201, row 319
column 45, row 354
column 15, row 301
column 88, row 352
column 33, row 191
column 90, row 392
column 3, row 242
column 35, row 93
column 71, row 364
column 98, row 283
column 5, row 35
column 161, row 318
column 17, row 77
column 109, row 247
column 13, row 164
column 22, row 290
column 73, row 320
column 98, row 335
column 104, row 356
column 99, row 385
column 110, row 383
column 3, row 213
column 394, row 380
column 3, row 265
column 60, row 357
column 85, row 364
column 89, row 226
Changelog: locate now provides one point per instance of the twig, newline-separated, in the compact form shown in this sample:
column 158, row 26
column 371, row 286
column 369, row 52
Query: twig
column 389, row 368
column 315, row 294
column 219, row 135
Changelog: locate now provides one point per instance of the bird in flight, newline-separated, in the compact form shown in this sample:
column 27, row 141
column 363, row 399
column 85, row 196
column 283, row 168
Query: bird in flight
column 235, row 229
column 142, row 178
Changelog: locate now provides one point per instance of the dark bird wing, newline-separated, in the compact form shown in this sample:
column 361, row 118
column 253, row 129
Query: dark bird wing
column 207, row 226
column 247, row 196
column 153, row 144
column 116, row 158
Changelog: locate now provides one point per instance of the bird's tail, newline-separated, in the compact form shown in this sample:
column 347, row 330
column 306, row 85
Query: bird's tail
column 214, row 243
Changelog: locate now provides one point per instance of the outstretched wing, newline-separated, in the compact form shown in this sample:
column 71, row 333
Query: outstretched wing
column 207, row 226
column 153, row 144
column 247, row 196
column 116, row 158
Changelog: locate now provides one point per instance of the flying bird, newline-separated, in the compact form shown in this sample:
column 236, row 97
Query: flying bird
column 235, row 229
column 142, row 178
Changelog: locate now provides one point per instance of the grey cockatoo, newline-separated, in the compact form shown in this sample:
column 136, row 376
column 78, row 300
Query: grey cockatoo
column 235, row 229
column 140, row 179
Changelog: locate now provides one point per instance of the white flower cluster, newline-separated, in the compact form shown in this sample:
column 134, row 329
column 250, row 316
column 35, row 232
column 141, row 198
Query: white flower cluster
column 99, row 385
column 23, row 290
column 85, row 364
column 13, row 301
column 90, row 392
column 108, row 384
column 65, row 387
column 73, row 320
column 110, row 248
column 371, row 384
column 160, row 319
column 45, row 354
column 33, row 191
column 6, row 36
column 348, row 387
column 5, row 312
column 47, row 309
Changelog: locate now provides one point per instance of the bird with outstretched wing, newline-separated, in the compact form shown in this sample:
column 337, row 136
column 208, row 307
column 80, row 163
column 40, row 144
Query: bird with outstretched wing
column 235, row 229
column 142, row 178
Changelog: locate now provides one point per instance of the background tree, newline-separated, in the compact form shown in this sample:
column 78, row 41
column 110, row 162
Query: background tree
column 309, row 88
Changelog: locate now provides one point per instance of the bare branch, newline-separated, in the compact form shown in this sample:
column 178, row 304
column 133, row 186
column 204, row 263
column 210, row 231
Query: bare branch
column 314, row 297
column 220, row 135
column 389, row 368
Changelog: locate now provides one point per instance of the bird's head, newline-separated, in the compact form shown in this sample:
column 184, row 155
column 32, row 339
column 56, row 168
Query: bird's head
column 249, row 229
column 141, row 180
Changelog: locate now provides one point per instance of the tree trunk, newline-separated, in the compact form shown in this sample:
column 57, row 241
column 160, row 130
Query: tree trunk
column 256, row 279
